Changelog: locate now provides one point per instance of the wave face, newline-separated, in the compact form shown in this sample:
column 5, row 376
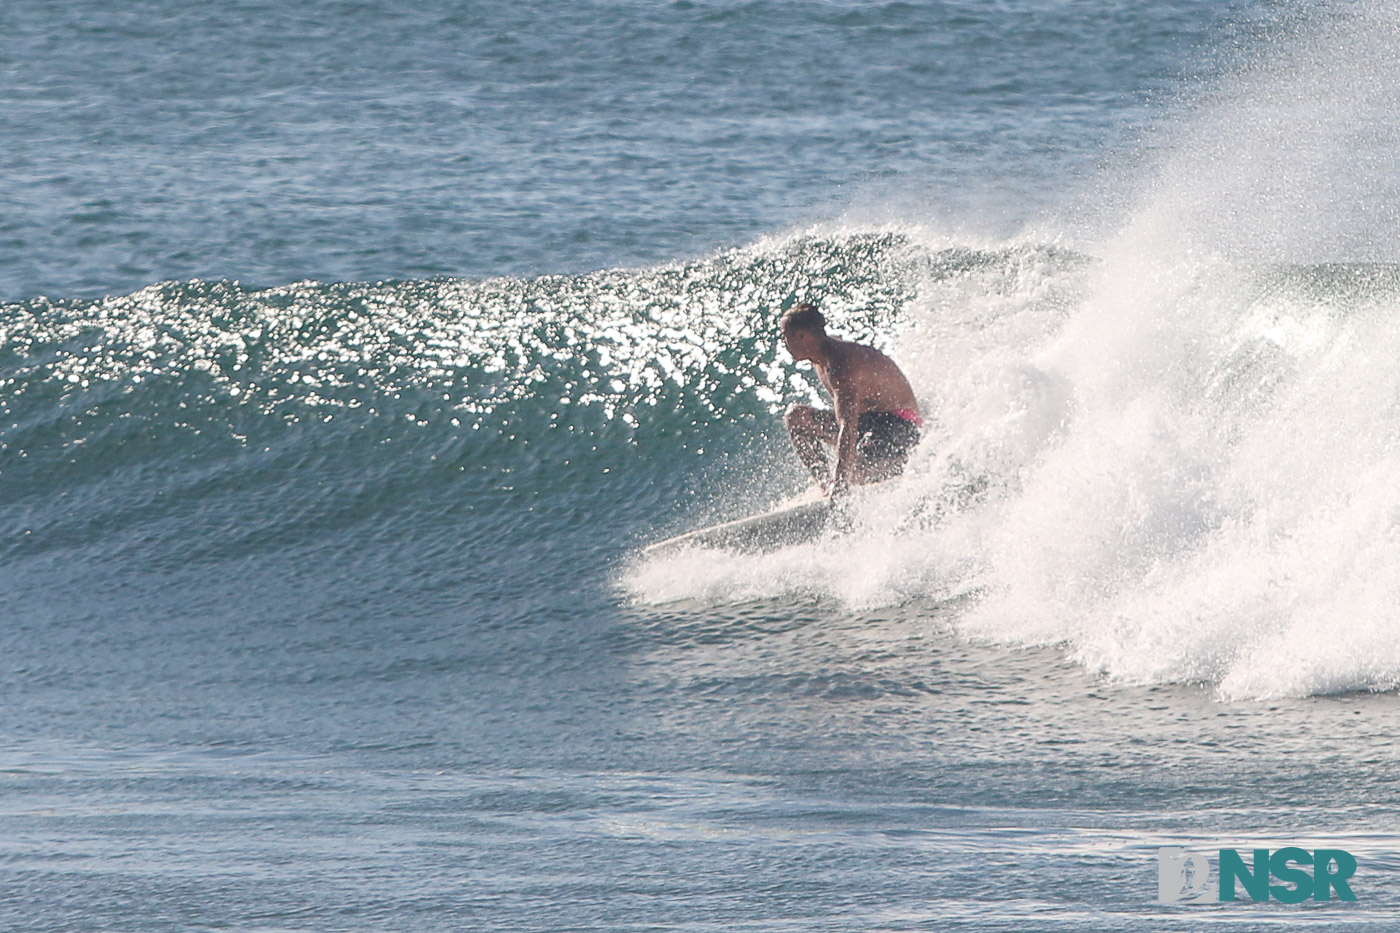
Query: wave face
column 207, row 422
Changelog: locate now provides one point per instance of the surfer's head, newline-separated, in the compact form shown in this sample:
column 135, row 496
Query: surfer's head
column 804, row 329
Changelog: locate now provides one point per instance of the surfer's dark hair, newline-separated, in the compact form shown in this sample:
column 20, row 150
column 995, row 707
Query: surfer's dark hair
column 804, row 317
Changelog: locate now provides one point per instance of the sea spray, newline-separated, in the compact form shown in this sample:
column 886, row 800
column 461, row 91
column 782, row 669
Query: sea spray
column 1179, row 459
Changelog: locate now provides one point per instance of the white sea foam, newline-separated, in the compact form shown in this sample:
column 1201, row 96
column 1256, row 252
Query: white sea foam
column 1182, row 461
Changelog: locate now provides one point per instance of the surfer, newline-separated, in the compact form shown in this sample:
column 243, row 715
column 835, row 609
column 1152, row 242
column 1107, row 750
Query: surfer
column 875, row 422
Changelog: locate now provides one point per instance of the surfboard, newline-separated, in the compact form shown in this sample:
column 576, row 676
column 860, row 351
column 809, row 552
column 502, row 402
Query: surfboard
column 790, row 522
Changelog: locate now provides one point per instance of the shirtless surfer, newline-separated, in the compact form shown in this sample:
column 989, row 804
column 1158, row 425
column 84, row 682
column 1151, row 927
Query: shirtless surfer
column 876, row 419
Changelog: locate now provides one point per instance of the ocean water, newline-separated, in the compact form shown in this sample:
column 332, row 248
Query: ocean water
column 350, row 353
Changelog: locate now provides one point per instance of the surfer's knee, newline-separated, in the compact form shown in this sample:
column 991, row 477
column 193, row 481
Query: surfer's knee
column 800, row 418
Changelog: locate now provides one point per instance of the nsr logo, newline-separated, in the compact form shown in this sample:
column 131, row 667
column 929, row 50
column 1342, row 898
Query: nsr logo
column 1184, row 877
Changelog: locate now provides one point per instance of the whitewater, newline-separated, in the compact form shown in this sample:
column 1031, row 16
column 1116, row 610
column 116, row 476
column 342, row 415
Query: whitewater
column 1173, row 455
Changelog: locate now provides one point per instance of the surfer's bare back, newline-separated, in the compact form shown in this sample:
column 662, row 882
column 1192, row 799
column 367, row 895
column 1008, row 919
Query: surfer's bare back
column 875, row 422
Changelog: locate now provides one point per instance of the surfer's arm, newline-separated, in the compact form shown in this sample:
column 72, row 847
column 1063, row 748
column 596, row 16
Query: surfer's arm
column 847, row 434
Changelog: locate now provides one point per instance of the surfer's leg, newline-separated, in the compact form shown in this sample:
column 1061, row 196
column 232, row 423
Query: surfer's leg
column 810, row 428
column 886, row 440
